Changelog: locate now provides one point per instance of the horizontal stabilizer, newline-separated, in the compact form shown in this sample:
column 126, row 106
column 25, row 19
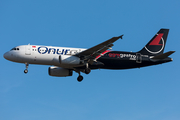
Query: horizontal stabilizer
column 163, row 56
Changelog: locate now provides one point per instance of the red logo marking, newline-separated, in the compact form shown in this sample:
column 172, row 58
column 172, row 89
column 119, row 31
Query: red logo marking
column 103, row 53
column 114, row 55
column 157, row 40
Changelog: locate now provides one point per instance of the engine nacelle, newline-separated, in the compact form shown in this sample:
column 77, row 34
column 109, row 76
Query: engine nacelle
column 59, row 72
column 68, row 59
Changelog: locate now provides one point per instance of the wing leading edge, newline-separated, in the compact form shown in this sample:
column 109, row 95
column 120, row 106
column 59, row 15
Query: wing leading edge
column 91, row 53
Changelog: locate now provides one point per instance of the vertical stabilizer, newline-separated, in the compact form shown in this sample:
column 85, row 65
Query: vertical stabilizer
column 157, row 44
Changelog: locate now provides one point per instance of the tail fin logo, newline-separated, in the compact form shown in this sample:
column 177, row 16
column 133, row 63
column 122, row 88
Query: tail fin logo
column 157, row 40
column 156, row 45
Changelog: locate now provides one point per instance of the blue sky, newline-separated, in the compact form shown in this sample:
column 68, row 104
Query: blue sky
column 137, row 94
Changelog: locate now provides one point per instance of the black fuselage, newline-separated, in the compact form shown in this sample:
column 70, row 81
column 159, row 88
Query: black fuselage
column 125, row 60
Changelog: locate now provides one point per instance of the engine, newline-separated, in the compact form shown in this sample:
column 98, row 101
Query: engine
column 59, row 72
column 67, row 59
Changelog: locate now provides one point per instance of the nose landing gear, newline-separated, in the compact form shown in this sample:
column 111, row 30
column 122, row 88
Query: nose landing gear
column 26, row 70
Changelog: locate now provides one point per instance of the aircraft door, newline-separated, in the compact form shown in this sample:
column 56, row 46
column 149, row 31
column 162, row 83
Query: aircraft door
column 138, row 58
column 28, row 50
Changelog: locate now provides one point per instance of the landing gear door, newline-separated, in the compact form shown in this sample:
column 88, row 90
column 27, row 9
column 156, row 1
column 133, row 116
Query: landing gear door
column 28, row 50
column 138, row 58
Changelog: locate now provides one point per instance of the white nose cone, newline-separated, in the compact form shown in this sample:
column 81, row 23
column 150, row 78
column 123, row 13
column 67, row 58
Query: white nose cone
column 5, row 55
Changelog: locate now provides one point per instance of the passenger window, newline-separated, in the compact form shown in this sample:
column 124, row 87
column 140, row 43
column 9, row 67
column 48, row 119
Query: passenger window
column 17, row 48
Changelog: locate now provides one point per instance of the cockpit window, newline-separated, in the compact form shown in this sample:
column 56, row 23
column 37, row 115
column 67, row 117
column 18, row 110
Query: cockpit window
column 15, row 49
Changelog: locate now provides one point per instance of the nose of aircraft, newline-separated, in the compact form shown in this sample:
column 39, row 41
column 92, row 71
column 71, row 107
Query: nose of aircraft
column 6, row 55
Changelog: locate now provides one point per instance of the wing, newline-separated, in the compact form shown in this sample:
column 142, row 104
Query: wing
column 91, row 53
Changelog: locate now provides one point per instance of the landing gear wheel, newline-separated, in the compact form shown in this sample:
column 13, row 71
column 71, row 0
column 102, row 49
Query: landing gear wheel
column 25, row 71
column 87, row 70
column 80, row 78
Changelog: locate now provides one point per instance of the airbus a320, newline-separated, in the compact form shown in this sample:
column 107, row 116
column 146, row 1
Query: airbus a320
column 65, row 60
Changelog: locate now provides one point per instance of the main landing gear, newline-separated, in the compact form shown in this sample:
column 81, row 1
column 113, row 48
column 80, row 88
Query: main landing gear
column 26, row 70
column 87, row 70
column 80, row 78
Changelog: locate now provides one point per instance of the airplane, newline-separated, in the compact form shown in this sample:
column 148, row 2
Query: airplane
column 65, row 60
